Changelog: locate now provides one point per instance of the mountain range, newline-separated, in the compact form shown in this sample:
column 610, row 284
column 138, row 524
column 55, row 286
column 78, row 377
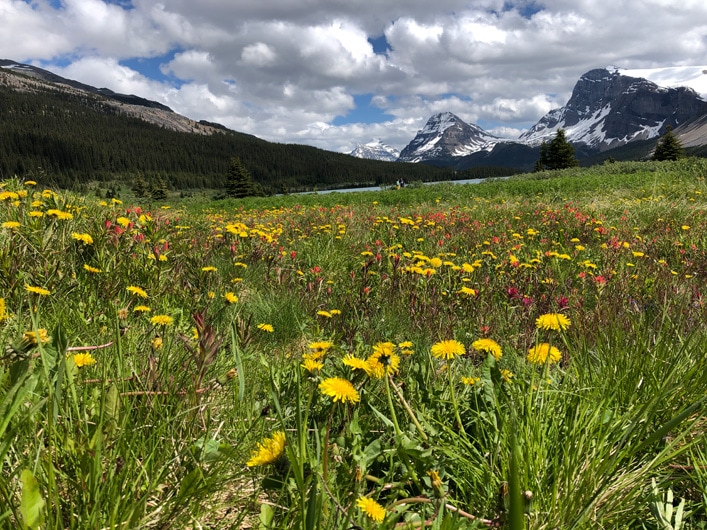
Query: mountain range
column 608, row 109
column 611, row 112
column 70, row 135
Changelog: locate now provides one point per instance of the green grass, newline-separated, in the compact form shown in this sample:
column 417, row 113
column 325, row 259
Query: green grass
column 157, row 431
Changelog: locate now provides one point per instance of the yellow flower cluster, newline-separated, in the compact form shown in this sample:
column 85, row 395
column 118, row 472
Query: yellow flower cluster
column 339, row 389
column 268, row 451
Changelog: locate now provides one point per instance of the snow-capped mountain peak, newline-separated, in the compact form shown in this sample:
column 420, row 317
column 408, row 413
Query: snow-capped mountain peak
column 445, row 136
column 376, row 150
column 608, row 109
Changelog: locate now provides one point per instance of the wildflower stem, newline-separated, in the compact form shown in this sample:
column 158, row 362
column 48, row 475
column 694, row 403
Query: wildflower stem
column 454, row 400
column 450, row 507
column 392, row 410
column 408, row 409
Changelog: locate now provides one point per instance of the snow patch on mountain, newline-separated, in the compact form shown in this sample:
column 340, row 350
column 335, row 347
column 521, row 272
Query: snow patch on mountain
column 609, row 108
column 376, row 150
column 694, row 77
column 446, row 136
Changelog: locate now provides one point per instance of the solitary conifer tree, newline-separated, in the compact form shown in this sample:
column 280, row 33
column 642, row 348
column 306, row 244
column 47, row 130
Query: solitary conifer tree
column 669, row 147
column 557, row 154
column 239, row 182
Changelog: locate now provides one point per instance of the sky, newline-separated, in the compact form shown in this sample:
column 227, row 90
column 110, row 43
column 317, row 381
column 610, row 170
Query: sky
column 336, row 73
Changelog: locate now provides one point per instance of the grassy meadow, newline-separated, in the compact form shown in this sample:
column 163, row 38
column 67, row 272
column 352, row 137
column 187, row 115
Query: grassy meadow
column 526, row 353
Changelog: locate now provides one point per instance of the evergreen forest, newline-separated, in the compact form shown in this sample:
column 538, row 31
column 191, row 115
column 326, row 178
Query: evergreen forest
column 69, row 139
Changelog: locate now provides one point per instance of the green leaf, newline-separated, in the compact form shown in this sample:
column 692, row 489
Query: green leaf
column 313, row 510
column 487, row 381
column 112, row 404
column 32, row 503
column 238, row 360
column 267, row 514
column 59, row 340
column 378, row 413
column 191, row 483
column 516, row 518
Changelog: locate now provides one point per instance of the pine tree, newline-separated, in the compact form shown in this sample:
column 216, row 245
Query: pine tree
column 158, row 190
column 140, row 188
column 558, row 154
column 239, row 183
column 669, row 147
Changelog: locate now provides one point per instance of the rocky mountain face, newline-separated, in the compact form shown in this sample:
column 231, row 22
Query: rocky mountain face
column 608, row 110
column 28, row 78
column 376, row 150
column 444, row 138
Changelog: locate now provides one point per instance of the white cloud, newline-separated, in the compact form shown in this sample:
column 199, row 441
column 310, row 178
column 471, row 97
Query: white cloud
column 284, row 70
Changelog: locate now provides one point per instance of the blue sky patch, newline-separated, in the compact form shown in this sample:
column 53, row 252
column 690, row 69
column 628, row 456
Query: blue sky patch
column 364, row 112
column 380, row 45
column 150, row 67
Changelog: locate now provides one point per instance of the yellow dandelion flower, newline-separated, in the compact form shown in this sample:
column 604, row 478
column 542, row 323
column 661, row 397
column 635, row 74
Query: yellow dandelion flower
column 371, row 509
column 209, row 269
column 36, row 213
column 355, row 363
column 335, row 312
column 88, row 268
column 383, row 360
column 137, row 291
column 34, row 338
column 266, row 327
column 141, row 309
column 507, row 375
column 83, row 359
column 470, row 380
column 320, row 346
column 11, row 225
column 62, row 216
column 30, row 183
column 488, row 346
column 123, row 221
column 156, row 343
column 86, row 239
column 554, row 321
column 268, row 451
column 468, row 291
column 448, row 349
column 311, row 364
column 339, row 389
column 41, row 291
column 3, row 312
column 326, row 314
column 542, row 353
column 406, row 347
column 161, row 320
column 230, row 297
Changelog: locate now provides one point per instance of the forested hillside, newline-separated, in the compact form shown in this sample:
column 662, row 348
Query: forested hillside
column 69, row 139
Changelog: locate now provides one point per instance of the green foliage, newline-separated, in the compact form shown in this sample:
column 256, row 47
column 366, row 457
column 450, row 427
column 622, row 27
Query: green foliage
column 557, row 154
column 239, row 182
column 668, row 147
column 158, row 430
